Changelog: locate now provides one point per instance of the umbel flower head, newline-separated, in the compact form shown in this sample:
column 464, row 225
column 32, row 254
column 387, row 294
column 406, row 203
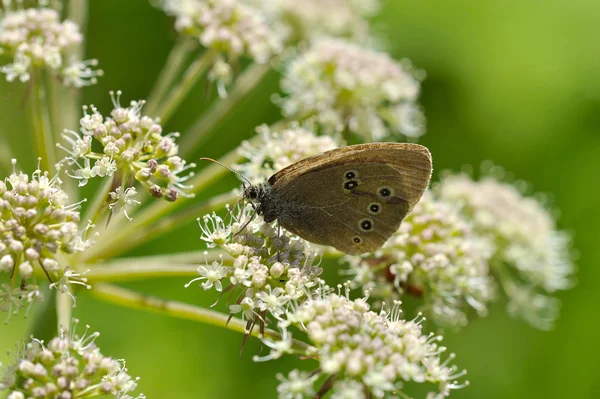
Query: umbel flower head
column 344, row 88
column 437, row 255
column 365, row 354
column 230, row 28
column 132, row 146
column 279, row 149
column 37, row 224
column 269, row 270
column 69, row 366
column 35, row 38
column 531, row 258
column 310, row 19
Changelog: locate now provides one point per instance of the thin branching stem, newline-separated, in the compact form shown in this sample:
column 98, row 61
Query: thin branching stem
column 126, row 298
column 190, row 77
column 209, row 121
column 175, row 60
column 40, row 120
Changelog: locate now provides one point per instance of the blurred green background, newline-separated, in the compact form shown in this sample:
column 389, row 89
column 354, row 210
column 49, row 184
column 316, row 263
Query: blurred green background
column 517, row 82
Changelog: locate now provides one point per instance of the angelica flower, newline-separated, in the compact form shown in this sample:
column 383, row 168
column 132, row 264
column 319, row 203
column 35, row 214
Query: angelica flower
column 68, row 366
column 35, row 37
column 279, row 149
column 230, row 28
column 310, row 19
column 36, row 224
column 271, row 271
column 435, row 254
column 374, row 353
column 532, row 257
column 133, row 146
column 344, row 88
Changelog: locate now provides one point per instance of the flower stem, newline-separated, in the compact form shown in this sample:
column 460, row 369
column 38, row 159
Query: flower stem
column 92, row 213
column 123, row 297
column 167, row 75
column 64, row 308
column 40, row 120
column 188, row 81
column 171, row 222
column 210, row 119
column 116, row 239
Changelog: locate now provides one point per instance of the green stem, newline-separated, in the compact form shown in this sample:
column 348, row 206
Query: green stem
column 116, row 238
column 123, row 297
column 44, row 325
column 40, row 120
column 210, row 119
column 64, row 309
column 167, row 224
column 168, row 74
column 6, row 155
column 92, row 213
column 187, row 83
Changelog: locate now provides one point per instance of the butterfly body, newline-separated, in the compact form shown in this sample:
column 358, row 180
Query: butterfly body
column 352, row 198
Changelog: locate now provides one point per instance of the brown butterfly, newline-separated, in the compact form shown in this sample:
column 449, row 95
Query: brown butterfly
column 351, row 198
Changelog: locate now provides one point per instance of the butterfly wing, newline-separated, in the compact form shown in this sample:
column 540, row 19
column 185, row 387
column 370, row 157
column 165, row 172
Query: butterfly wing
column 352, row 198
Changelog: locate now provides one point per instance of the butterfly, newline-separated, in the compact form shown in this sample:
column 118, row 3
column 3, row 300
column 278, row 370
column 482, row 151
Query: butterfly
column 352, row 198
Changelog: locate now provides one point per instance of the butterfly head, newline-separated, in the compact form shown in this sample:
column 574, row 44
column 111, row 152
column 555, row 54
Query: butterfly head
column 253, row 192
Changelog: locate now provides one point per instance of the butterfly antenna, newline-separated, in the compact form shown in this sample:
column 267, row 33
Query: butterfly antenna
column 242, row 177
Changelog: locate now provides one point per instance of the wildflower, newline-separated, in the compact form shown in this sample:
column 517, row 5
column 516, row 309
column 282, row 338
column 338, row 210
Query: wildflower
column 344, row 88
column 231, row 28
column 531, row 257
column 133, row 146
column 35, row 37
column 270, row 271
column 312, row 19
column 279, row 149
column 372, row 353
column 36, row 224
column 68, row 366
column 434, row 254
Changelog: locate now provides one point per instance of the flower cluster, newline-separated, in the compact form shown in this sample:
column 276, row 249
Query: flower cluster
column 344, row 88
column 231, row 28
column 278, row 149
column 531, row 257
column 437, row 255
column 310, row 19
column 68, row 367
column 270, row 271
column 35, row 37
column 365, row 354
column 36, row 224
column 133, row 147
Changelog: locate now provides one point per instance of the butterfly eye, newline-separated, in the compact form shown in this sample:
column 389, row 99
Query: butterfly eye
column 349, row 185
column 366, row 224
column 374, row 208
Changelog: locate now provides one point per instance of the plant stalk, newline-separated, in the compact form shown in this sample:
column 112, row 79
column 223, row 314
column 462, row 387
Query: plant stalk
column 168, row 74
column 126, row 298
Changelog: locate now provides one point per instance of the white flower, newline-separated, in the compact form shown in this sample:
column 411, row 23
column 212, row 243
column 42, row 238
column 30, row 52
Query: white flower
column 212, row 274
column 377, row 352
column 37, row 38
column 69, row 366
column 435, row 254
column 297, row 385
column 310, row 19
column 344, row 88
column 529, row 252
column 131, row 144
column 279, row 149
column 122, row 199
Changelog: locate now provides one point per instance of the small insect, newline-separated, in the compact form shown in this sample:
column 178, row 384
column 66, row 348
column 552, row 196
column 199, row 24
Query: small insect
column 352, row 198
